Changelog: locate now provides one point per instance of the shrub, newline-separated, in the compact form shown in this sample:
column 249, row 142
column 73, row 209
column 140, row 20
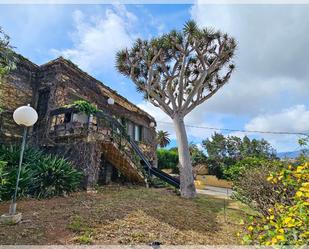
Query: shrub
column 215, row 167
column 10, row 154
column 3, row 175
column 287, row 222
column 168, row 159
column 41, row 175
column 54, row 176
column 237, row 170
column 251, row 186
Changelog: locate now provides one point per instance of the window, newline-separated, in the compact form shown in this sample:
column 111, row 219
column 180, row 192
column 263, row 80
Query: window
column 67, row 117
column 138, row 133
column 43, row 102
column 131, row 129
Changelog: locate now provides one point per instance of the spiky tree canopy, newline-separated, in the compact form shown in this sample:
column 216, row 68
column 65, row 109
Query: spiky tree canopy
column 163, row 138
column 179, row 70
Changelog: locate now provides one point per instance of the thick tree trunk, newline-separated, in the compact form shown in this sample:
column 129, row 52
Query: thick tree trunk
column 187, row 187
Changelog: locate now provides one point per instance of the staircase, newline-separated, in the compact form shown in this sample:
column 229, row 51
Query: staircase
column 122, row 162
column 123, row 152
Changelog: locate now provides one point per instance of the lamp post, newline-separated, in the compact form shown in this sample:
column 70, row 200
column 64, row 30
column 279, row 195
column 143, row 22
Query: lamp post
column 24, row 116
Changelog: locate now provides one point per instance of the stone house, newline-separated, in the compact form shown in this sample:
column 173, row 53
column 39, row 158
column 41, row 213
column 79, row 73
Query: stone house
column 92, row 143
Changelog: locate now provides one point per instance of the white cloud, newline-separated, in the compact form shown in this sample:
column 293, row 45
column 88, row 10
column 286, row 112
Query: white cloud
column 97, row 38
column 271, row 59
column 294, row 119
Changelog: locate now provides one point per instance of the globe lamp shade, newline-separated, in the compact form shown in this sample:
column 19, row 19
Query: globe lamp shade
column 111, row 101
column 25, row 115
column 152, row 124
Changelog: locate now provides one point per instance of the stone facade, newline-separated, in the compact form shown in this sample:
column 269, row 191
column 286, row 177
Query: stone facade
column 55, row 85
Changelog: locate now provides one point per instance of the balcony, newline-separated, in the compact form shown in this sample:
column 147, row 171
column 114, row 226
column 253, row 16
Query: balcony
column 71, row 123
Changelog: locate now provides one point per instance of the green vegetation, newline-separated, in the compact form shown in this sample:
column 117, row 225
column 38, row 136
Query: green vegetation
column 77, row 224
column 42, row 175
column 241, row 167
column 287, row 220
column 85, row 107
column 7, row 56
column 84, row 239
column 279, row 192
column 197, row 155
column 163, row 138
column 168, row 159
column 224, row 152
column 251, row 185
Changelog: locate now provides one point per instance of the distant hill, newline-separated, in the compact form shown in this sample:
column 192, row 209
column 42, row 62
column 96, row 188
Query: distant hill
column 289, row 154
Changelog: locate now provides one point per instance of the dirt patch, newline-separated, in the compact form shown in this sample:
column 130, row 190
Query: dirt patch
column 123, row 215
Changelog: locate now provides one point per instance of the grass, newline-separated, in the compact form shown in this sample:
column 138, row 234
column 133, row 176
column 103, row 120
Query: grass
column 125, row 215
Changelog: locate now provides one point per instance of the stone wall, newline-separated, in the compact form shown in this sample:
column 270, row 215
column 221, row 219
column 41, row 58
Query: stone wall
column 16, row 89
column 85, row 156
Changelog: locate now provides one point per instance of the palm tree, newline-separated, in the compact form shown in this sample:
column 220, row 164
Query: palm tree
column 163, row 138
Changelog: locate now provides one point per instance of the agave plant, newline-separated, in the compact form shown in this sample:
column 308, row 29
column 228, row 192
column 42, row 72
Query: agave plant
column 54, row 176
column 42, row 175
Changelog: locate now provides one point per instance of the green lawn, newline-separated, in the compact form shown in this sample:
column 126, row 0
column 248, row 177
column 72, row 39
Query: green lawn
column 125, row 215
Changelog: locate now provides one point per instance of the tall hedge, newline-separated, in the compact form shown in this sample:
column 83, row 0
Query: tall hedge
column 168, row 159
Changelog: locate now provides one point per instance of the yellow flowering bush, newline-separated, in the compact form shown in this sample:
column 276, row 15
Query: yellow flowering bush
column 287, row 223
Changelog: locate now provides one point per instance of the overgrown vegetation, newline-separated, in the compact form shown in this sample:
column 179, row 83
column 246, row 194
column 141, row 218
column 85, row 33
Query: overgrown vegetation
column 286, row 222
column 7, row 57
column 279, row 191
column 225, row 152
column 42, row 175
column 250, row 184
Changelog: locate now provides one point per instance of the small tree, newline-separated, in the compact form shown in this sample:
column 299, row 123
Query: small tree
column 197, row 155
column 6, row 54
column 177, row 72
column 163, row 138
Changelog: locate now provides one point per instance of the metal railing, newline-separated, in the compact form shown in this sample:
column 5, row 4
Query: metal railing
column 119, row 133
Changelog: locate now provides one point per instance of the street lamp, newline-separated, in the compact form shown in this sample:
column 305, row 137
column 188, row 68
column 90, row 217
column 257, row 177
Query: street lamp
column 24, row 116
column 152, row 124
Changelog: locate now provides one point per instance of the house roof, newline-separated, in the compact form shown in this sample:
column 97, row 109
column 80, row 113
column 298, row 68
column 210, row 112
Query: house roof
column 108, row 91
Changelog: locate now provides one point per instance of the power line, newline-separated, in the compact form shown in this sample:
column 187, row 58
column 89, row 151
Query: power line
column 244, row 131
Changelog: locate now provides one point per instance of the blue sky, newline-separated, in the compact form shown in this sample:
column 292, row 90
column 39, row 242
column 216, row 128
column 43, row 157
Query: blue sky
column 268, row 91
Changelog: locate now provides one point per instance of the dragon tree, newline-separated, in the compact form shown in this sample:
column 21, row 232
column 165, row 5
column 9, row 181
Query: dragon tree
column 177, row 72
